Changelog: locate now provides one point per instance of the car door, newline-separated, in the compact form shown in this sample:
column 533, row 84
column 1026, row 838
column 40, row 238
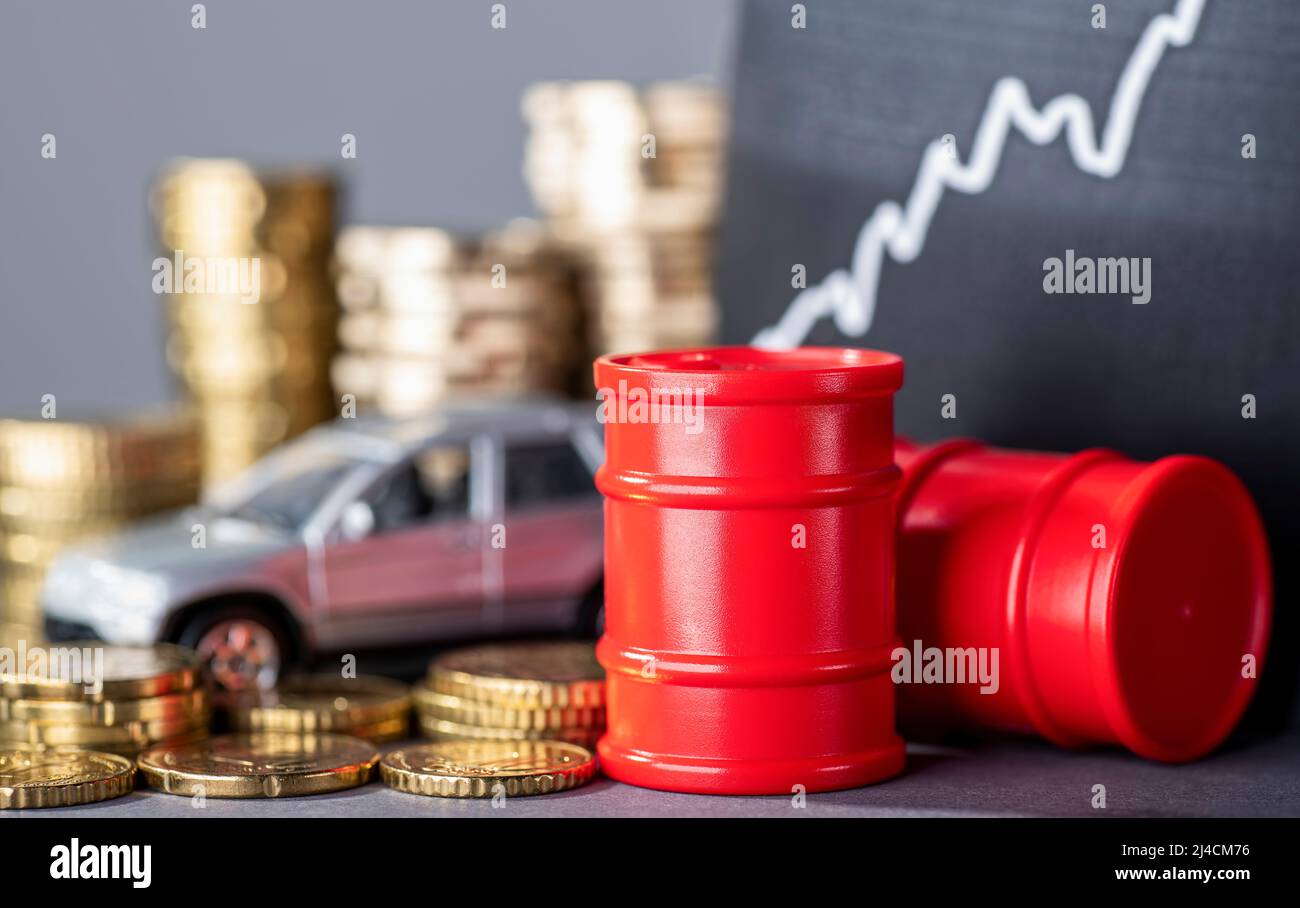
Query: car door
column 552, row 524
column 418, row 572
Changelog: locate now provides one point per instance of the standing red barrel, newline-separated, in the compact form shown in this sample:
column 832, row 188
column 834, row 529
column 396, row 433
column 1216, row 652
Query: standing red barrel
column 1129, row 602
column 749, row 563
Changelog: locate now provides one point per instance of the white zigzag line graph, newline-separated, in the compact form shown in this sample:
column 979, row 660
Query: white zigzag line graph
column 850, row 295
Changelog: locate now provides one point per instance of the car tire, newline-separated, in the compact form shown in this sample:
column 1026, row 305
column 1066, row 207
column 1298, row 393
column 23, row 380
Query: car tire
column 242, row 646
column 591, row 613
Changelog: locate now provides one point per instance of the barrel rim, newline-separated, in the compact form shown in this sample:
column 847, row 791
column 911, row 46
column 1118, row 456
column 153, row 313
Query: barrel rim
column 736, row 374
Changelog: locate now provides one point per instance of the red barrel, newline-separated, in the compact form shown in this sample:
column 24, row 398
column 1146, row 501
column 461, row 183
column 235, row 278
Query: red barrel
column 749, row 564
column 1129, row 602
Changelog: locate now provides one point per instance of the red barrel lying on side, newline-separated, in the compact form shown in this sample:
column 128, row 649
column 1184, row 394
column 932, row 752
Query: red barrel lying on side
column 749, row 568
column 1130, row 602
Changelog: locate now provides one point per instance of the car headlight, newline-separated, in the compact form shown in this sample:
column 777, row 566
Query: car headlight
column 66, row 582
column 118, row 588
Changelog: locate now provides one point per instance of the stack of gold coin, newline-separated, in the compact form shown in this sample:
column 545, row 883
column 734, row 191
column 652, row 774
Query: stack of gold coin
column 92, row 696
column 429, row 315
column 513, row 692
column 252, row 313
column 372, row 708
column 631, row 181
column 61, row 480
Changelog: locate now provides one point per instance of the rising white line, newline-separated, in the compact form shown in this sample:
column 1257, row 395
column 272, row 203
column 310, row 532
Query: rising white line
column 850, row 295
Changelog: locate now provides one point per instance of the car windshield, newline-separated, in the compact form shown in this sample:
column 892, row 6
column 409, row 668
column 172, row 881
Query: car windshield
column 292, row 488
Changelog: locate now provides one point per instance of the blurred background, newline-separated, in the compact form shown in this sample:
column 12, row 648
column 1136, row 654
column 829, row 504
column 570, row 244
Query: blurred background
column 430, row 90
column 418, row 136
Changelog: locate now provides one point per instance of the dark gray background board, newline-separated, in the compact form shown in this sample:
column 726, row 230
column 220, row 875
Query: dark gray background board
column 833, row 119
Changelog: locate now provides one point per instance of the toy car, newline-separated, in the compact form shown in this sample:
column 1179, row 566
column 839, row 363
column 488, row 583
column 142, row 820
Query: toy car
column 476, row 521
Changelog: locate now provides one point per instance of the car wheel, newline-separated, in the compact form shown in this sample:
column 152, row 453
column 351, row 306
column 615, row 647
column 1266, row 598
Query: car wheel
column 591, row 614
column 241, row 647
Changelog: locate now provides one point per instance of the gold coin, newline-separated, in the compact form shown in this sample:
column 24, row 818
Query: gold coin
column 92, row 671
column 20, row 603
column 322, row 703
column 536, row 718
column 13, row 634
column 39, row 778
column 189, row 707
column 396, row 729
column 133, row 750
column 261, row 765
column 46, row 530
column 531, row 675
column 483, row 769
column 123, row 735
column 104, row 502
column 240, row 362
column 154, row 446
column 445, row 730
column 25, row 549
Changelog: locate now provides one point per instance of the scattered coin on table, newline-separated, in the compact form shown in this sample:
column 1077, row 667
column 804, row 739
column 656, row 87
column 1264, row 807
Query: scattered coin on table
column 261, row 765
column 56, row 778
column 485, row 769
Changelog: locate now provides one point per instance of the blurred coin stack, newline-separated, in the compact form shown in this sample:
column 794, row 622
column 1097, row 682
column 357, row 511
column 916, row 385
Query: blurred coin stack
column 258, row 370
column 429, row 315
column 61, row 480
column 514, row 691
column 631, row 181
column 373, row 708
column 145, row 695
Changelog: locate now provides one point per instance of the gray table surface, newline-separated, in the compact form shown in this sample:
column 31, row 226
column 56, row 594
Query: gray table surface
column 1258, row 777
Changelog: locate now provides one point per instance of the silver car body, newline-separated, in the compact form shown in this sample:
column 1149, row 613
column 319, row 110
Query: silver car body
column 493, row 569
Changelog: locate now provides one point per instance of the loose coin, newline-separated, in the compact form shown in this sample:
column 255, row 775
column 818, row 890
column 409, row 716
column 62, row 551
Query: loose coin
column 483, row 769
column 43, row 778
column 261, row 765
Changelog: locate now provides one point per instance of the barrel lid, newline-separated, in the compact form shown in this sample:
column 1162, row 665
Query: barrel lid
column 1189, row 598
column 753, row 375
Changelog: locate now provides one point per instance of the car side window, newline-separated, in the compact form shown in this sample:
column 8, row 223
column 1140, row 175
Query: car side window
column 545, row 473
column 432, row 486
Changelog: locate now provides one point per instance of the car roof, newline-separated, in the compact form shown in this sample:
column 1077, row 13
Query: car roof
column 386, row 438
